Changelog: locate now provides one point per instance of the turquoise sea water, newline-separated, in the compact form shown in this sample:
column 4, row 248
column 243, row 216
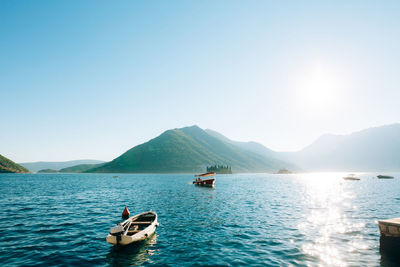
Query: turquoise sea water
column 247, row 219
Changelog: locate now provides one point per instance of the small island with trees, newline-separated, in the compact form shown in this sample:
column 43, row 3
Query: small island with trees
column 220, row 169
column 284, row 171
column 47, row 171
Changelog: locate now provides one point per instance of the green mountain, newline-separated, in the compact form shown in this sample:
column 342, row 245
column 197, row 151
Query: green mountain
column 56, row 165
column 9, row 166
column 251, row 146
column 189, row 149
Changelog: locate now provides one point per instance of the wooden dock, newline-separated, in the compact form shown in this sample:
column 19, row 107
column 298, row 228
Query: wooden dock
column 390, row 227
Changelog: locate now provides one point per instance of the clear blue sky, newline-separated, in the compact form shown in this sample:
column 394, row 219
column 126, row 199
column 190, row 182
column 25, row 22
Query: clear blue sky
column 91, row 79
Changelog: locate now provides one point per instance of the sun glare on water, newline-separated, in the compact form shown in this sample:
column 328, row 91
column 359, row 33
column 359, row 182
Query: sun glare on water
column 328, row 221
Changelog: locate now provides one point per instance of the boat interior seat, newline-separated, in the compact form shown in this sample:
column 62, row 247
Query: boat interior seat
column 133, row 229
column 133, row 232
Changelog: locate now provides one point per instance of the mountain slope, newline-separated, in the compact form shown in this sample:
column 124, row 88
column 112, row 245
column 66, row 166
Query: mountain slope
column 250, row 146
column 80, row 168
column 373, row 149
column 188, row 149
column 40, row 165
column 9, row 166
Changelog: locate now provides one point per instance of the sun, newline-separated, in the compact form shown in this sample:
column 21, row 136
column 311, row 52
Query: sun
column 317, row 89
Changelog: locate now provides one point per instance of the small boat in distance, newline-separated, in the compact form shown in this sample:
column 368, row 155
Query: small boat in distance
column 134, row 229
column 205, row 182
column 385, row 177
column 351, row 177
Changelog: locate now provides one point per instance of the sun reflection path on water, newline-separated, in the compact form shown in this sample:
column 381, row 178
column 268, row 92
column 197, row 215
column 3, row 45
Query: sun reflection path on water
column 328, row 220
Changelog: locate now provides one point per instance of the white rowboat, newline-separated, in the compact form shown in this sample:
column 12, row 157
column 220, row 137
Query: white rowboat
column 134, row 229
column 385, row 177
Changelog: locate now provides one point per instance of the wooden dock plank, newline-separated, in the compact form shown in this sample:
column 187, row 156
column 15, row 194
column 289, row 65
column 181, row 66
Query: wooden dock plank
column 390, row 227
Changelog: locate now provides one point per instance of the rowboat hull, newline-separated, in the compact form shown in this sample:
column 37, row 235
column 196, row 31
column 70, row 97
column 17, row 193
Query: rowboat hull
column 208, row 182
column 126, row 238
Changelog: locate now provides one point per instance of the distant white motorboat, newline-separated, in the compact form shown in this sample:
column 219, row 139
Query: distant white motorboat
column 134, row 229
column 351, row 177
column 385, row 177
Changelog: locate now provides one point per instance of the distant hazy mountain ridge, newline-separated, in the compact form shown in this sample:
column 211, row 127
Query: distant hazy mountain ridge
column 189, row 149
column 373, row 149
column 56, row 165
column 9, row 166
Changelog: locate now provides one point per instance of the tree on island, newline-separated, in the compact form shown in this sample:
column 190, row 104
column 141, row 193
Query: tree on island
column 220, row 169
column 284, row 171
